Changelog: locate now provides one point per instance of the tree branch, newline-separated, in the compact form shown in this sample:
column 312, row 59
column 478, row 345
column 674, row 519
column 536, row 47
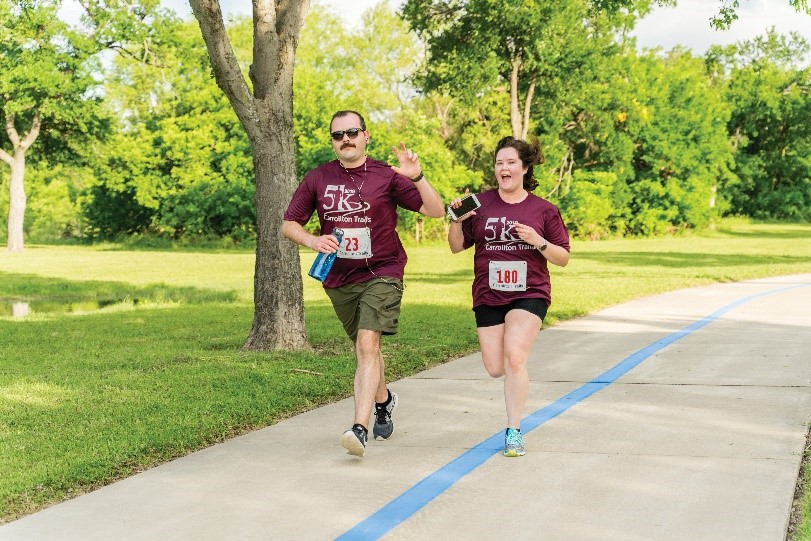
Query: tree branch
column 265, row 48
column 276, row 28
column 442, row 113
column 6, row 157
column 11, row 130
column 223, row 60
column 290, row 16
column 33, row 133
column 515, row 115
column 527, row 106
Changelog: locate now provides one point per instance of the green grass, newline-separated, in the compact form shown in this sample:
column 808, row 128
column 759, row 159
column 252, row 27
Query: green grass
column 96, row 395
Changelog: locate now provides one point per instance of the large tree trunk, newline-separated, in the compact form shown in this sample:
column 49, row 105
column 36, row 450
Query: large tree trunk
column 16, row 185
column 266, row 113
column 16, row 204
column 278, row 320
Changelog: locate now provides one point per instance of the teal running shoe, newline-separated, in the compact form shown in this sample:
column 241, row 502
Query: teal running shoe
column 513, row 443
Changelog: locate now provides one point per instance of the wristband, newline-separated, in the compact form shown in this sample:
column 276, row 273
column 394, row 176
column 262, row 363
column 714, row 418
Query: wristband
column 418, row 177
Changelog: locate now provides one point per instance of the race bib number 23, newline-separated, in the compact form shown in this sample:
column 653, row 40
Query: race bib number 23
column 357, row 243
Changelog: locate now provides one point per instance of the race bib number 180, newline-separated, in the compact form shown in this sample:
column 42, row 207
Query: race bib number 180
column 508, row 275
column 357, row 243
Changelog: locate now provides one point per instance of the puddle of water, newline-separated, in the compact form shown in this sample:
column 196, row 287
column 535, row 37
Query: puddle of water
column 21, row 309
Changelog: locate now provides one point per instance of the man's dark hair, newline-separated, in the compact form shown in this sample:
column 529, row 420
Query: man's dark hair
column 348, row 112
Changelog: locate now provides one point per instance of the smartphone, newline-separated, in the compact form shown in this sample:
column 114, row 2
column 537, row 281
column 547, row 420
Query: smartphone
column 469, row 204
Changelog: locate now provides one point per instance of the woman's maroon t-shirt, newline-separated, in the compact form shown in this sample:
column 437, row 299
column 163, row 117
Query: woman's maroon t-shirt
column 500, row 252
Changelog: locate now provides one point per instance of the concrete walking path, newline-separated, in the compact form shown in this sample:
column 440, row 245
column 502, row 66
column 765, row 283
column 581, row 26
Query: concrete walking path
column 678, row 416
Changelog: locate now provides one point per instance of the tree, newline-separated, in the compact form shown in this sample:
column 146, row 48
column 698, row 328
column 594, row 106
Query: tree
column 44, row 83
column 728, row 12
column 48, row 80
column 529, row 46
column 180, row 162
column 265, row 109
column 770, row 126
column 682, row 152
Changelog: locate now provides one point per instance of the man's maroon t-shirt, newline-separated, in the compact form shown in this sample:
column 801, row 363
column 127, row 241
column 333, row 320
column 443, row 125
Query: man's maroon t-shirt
column 363, row 202
column 500, row 252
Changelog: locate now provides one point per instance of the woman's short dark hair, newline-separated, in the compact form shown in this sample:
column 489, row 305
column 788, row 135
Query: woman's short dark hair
column 348, row 112
column 529, row 154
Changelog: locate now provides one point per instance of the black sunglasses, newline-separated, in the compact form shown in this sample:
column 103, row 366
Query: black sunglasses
column 351, row 132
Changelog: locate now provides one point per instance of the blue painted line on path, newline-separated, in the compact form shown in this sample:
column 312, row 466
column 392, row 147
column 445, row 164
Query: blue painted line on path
column 418, row 496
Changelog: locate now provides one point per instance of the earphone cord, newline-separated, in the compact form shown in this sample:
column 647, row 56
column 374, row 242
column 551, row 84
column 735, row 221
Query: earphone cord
column 368, row 229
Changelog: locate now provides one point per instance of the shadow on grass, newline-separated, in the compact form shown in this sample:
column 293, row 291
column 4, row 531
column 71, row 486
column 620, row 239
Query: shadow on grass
column 428, row 335
column 442, row 277
column 787, row 233
column 685, row 260
column 57, row 295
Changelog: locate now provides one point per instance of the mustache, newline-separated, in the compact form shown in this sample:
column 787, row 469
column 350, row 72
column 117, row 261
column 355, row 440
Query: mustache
column 347, row 144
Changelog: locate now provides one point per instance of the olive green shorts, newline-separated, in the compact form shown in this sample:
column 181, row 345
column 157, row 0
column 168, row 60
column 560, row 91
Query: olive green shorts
column 372, row 305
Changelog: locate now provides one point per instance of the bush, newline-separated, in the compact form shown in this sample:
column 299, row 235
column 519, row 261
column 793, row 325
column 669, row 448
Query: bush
column 588, row 207
column 212, row 210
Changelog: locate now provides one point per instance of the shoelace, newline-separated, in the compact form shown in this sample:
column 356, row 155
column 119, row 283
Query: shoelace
column 514, row 438
column 382, row 413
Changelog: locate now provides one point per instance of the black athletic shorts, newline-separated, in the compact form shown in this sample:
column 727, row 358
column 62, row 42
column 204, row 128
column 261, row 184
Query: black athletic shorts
column 490, row 316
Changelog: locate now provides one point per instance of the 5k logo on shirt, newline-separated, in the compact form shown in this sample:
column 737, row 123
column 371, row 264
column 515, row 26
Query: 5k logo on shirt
column 499, row 230
column 341, row 200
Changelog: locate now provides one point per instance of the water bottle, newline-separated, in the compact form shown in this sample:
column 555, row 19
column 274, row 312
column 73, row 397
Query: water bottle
column 323, row 262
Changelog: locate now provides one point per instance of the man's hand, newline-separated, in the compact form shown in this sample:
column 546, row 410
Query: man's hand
column 326, row 244
column 409, row 162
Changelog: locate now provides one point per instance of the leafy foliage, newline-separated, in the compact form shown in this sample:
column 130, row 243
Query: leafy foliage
column 589, row 206
column 770, row 126
column 598, row 108
column 180, row 160
column 682, row 153
column 49, row 105
column 635, row 143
